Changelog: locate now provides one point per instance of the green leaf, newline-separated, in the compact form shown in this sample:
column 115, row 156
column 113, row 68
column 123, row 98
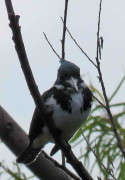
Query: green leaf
column 97, row 92
column 117, row 89
column 117, row 104
column 76, row 136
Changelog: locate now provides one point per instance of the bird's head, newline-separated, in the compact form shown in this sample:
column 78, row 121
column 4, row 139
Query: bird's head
column 68, row 78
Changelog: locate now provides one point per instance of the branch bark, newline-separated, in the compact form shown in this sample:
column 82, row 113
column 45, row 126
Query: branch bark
column 19, row 46
column 16, row 140
column 64, row 29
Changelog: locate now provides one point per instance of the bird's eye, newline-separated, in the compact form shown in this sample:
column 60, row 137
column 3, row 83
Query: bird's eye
column 62, row 77
column 79, row 76
column 66, row 84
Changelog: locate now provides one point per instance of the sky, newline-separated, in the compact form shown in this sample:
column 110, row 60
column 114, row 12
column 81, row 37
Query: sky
column 41, row 16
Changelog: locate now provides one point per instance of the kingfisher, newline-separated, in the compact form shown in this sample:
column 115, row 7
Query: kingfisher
column 70, row 101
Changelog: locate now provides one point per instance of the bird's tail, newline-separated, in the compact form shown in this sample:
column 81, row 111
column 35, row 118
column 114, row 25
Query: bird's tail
column 29, row 155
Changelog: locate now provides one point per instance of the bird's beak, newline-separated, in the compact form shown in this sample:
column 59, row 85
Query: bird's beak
column 73, row 83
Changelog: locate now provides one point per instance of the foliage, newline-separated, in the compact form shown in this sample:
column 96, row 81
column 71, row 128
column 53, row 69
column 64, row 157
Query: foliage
column 101, row 139
column 14, row 174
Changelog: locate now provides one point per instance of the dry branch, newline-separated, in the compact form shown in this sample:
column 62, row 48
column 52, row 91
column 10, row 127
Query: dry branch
column 79, row 45
column 64, row 29
column 51, row 46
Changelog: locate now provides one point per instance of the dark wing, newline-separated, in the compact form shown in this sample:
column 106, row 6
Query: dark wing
column 37, row 122
column 87, row 98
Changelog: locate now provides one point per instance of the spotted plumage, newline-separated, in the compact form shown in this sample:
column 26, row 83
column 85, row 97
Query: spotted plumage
column 70, row 102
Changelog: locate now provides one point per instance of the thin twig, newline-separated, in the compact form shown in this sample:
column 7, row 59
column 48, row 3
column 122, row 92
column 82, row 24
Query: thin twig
column 20, row 49
column 63, row 50
column 99, row 101
column 79, row 45
column 98, row 159
column 119, row 141
column 98, row 33
column 51, row 46
column 64, row 29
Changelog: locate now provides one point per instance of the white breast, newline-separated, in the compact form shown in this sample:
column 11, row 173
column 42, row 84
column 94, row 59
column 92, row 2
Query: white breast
column 67, row 122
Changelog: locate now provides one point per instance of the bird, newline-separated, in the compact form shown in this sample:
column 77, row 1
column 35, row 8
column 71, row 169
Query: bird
column 70, row 101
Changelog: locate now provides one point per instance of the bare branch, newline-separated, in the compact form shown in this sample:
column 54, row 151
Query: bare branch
column 63, row 36
column 98, row 33
column 51, row 46
column 118, row 138
column 63, row 49
column 19, row 46
column 99, row 102
column 79, row 45
column 64, row 29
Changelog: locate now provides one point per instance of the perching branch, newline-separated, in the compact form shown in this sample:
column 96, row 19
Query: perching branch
column 63, row 49
column 16, row 140
column 20, row 49
column 64, row 29
column 119, row 142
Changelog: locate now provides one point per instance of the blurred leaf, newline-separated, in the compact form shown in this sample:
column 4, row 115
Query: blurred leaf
column 16, row 173
column 117, row 89
column 96, row 91
column 117, row 104
column 76, row 136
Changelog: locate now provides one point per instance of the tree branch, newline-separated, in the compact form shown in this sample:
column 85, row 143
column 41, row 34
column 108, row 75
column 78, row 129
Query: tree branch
column 64, row 29
column 79, row 45
column 99, row 102
column 51, row 46
column 103, row 87
column 19, row 46
column 63, row 49
column 16, row 140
